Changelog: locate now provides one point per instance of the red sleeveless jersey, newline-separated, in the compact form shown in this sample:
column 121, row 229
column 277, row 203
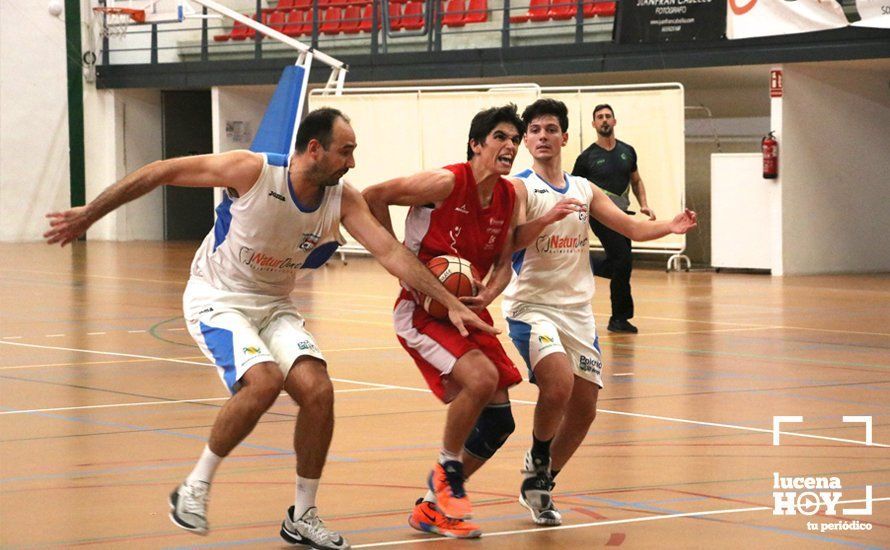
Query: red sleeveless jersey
column 460, row 226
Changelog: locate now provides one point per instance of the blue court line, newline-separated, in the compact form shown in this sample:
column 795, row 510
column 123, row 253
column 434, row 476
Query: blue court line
column 778, row 530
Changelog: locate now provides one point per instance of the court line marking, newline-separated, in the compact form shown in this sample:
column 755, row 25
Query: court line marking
column 148, row 403
column 378, row 297
column 524, row 402
column 598, row 524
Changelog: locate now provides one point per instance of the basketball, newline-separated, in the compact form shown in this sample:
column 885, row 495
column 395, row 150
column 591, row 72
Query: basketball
column 457, row 275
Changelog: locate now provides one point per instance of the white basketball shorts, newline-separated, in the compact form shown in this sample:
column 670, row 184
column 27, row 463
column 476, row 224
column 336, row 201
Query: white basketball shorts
column 238, row 330
column 539, row 330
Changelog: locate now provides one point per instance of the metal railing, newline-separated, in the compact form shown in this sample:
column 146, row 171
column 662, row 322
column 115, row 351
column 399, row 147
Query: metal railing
column 385, row 29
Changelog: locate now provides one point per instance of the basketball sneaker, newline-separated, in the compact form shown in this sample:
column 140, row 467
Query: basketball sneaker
column 535, row 492
column 426, row 517
column 188, row 506
column 447, row 482
column 310, row 531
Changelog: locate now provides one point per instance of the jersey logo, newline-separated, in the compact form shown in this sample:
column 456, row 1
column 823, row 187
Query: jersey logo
column 276, row 195
column 454, row 234
column 600, row 161
column 462, row 209
column 309, row 241
column 540, row 190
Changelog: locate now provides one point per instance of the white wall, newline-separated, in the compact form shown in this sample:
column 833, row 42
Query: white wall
column 34, row 171
column 238, row 105
column 122, row 131
column 835, row 170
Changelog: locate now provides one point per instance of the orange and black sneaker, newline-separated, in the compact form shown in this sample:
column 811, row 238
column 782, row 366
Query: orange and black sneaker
column 426, row 517
column 447, row 482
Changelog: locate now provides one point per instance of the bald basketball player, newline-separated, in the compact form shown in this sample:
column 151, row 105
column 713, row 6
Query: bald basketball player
column 279, row 222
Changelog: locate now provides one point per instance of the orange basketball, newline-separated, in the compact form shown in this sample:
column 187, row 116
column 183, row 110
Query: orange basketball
column 455, row 274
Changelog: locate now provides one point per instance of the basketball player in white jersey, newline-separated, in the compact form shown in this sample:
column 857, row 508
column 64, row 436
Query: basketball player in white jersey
column 280, row 220
column 548, row 301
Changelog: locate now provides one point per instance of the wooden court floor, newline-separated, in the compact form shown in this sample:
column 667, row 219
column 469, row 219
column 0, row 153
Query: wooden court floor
column 105, row 403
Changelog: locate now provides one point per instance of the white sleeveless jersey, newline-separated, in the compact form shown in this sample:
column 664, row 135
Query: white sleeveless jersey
column 262, row 242
column 555, row 270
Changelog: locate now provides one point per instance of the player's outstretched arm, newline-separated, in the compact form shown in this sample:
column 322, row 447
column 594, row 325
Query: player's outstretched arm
column 527, row 231
column 236, row 169
column 357, row 219
column 429, row 187
column 604, row 210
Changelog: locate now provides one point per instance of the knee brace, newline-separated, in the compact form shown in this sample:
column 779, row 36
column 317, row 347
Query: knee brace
column 494, row 426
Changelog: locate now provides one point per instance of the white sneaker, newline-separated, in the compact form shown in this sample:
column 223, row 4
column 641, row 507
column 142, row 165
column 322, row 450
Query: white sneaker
column 534, row 493
column 309, row 530
column 188, row 506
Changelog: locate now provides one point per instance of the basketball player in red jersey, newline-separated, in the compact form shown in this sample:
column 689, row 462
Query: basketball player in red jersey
column 465, row 210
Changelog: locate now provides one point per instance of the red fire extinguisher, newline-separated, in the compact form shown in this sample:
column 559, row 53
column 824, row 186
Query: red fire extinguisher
column 770, row 148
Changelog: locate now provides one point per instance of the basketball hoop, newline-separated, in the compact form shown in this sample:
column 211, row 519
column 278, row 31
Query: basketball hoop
column 116, row 21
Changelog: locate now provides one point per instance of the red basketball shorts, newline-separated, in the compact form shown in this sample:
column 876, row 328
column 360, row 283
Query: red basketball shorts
column 435, row 345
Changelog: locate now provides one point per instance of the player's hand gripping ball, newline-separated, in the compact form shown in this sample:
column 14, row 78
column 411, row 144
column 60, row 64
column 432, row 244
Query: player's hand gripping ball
column 457, row 275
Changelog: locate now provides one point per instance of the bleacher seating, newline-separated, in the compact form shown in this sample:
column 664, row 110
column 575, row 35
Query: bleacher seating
column 562, row 10
column 457, row 13
column 294, row 17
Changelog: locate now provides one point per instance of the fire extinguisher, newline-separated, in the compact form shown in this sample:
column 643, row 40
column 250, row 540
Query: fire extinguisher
column 770, row 148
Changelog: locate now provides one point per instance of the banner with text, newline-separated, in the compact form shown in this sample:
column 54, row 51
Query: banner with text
column 670, row 20
column 751, row 18
column 873, row 13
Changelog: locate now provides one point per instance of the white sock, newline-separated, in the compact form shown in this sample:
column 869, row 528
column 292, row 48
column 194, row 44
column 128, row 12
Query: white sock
column 430, row 496
column 304, row 496
column 445, row 456
column 206, row 466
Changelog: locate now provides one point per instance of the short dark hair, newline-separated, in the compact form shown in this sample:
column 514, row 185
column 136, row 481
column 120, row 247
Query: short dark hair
column 546, row 106
column 319, row 125
column 485, row 121
column 602, row 106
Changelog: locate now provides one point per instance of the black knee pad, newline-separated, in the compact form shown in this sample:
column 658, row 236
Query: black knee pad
column 494, row 426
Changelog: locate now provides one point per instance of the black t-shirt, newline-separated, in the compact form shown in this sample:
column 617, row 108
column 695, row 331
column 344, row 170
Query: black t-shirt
column 609, row 170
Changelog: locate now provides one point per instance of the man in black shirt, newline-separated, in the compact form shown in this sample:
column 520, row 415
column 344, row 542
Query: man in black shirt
column 612, row 165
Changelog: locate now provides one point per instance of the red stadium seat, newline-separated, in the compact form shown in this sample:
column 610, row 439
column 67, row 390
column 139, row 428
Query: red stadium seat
column 330, row 20
column 454, row 13
column 241, row 32
column 539, row 10
column 412, row 17
column 294, row 24
column 395, row 16
column 477, row 11
column 561, row 10
column 368, row 18
column 277, row 20
column 352, row 16
column 600, row 9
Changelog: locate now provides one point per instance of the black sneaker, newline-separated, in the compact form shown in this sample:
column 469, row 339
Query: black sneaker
column 535, row 492
column 621, row 325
